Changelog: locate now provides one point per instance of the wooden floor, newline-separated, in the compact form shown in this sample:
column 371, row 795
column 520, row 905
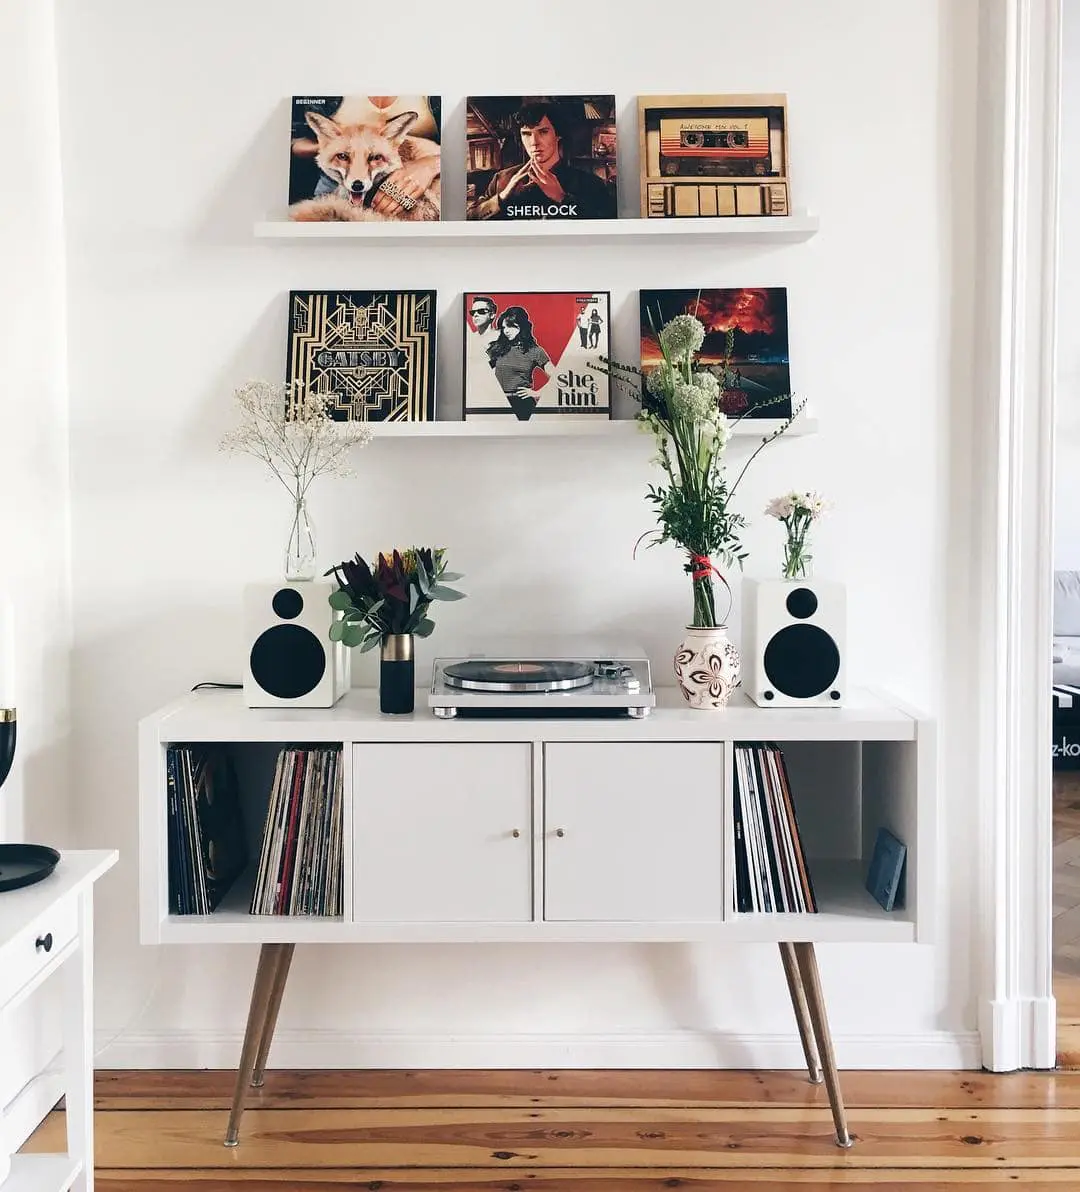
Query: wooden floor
column 590, row 1131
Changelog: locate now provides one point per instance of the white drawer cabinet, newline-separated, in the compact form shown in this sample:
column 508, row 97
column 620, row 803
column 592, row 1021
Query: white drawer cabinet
column 633, row 832
column 442, row 833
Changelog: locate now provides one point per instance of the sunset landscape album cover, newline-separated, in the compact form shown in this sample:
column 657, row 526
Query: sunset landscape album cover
column 754, row 372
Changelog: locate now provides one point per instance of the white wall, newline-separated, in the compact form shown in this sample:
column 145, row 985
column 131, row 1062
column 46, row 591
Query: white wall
column 1067, row 430
column 175, row 126
column 33, row 422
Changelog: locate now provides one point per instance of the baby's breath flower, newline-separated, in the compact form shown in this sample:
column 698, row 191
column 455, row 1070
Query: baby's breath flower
column 658, row 382
column 292, row 432
column 682, row 336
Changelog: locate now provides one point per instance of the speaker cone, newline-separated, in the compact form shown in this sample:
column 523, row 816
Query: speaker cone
column 801, row 661
column 288, row 661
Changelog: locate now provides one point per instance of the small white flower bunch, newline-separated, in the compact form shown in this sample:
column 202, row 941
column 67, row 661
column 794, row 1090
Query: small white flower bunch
column 293, row 434
column 797, row 512
column 809, row 505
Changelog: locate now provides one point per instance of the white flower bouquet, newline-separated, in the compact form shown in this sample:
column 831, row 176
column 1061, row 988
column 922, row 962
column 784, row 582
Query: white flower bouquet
column 797, row 512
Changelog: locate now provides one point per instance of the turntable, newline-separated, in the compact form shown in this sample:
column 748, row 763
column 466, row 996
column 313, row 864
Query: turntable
column 535, row 685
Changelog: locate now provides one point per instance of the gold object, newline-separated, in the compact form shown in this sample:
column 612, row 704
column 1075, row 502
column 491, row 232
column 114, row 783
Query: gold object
column 397, row 647
column 7, row 715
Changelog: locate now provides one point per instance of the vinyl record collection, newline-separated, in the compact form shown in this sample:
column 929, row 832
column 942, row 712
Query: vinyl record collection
column 300, row 866
column 206, row 829
column 771, row 870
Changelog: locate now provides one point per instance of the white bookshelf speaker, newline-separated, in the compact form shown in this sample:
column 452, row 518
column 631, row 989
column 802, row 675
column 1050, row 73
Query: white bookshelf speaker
column 291, row 661
column 794, row 642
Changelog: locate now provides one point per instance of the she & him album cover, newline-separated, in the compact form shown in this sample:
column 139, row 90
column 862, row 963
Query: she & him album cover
column 530, row 355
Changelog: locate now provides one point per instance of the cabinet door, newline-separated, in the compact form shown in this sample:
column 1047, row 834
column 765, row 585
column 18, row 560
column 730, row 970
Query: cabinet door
column 434, row 833
column 633, row 831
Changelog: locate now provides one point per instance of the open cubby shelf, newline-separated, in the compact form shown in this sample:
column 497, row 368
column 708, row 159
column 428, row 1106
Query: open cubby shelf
column 473, row 855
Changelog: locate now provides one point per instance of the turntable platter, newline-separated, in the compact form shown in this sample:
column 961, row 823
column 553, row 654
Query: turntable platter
column 517, row 675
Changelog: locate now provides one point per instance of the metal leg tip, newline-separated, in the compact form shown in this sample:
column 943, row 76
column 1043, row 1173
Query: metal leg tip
column 232, row 1139
column 258, row 1081
column 845, row 1141
column 815, row 1078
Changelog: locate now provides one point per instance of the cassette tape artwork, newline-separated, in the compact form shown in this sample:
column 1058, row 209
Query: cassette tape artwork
column 713, row 155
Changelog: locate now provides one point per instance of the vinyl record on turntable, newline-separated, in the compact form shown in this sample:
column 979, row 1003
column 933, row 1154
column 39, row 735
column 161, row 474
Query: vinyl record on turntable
column 518, row 675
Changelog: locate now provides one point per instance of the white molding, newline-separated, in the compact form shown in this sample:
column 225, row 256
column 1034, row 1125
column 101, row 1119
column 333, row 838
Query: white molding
column 1013, row 423
column 665, row 1049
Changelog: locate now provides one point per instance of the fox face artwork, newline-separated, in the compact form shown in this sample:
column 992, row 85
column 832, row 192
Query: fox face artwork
column 373, row 167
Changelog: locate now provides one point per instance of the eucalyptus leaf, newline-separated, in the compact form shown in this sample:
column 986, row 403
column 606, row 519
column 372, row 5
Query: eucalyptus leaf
column 340, row 599
column 449, row 576
column 440, row 592
column 336, row 630
column 423, row 580
column 425, row 629
column 370, row 644
column 352, row 635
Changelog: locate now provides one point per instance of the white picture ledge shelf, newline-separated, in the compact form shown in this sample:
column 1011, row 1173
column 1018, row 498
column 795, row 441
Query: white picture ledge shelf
column 773, row 229
column 602, row 428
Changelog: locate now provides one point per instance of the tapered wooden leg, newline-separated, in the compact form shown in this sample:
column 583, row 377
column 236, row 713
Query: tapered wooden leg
column 815, row 1001
column 802, row 1015
column 261, row 995
column 281, row 975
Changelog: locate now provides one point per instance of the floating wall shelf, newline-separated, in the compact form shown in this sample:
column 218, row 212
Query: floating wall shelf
column 616, row 428
column 730, row 230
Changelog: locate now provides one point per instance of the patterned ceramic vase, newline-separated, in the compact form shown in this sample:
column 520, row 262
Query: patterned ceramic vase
column 707, row 666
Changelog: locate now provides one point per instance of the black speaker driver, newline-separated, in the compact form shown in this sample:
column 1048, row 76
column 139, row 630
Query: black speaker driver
column 802, row 661
column 288, row 661
column 802, row 603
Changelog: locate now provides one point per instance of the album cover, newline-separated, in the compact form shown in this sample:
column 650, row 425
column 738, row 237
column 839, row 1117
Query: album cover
column 755, row 380
column 365, row 157
column 373, row 351
column 529, row 356
column 885, row 878
column 713, row 155
column 540, row 157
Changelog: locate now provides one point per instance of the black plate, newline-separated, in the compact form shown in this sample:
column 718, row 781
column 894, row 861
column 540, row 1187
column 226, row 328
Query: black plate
column 518, row 675
column 24, row 864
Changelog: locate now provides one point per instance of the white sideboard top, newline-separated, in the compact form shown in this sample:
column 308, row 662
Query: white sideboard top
column 76, row 867
column 221, row 715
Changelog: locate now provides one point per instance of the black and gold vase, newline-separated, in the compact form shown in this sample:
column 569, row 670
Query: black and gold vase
column 396, row 673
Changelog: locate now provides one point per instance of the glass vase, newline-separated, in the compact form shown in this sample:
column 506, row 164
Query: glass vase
column 796, row 559
column 300, row 552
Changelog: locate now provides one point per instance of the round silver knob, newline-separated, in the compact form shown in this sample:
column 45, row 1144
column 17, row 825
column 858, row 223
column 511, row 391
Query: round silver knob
column 516, row 832
column 560, row 832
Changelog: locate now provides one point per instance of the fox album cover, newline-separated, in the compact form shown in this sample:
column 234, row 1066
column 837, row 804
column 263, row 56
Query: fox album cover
column 537, row 157
column 532, row 355
column 365, row 157
column 746, row 344
column 372, row 350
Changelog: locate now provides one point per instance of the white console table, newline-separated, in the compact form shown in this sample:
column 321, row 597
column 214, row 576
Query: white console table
column 560, row 830
column 48, row 928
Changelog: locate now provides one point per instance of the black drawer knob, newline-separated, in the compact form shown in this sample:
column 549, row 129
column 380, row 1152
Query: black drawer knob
column 44, row 942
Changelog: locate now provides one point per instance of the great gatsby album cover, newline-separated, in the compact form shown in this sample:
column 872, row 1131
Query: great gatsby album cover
column 372, row 350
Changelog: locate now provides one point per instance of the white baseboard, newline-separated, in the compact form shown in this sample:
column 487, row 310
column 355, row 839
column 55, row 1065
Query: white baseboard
column 1019, row 1033
column 669, row 1049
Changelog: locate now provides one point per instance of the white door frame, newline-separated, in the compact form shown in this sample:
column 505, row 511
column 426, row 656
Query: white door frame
column 1017, row 172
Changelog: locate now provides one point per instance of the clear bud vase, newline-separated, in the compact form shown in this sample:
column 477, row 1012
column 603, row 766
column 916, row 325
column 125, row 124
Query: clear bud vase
column 796, row 558
column 300, row 552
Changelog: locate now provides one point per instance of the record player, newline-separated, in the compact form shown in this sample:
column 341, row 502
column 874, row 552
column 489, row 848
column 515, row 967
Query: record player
column 548, row 682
